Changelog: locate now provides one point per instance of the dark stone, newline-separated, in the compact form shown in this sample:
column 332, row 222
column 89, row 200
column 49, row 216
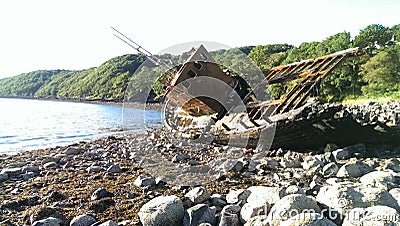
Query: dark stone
column 99, row 206
column 101, row 193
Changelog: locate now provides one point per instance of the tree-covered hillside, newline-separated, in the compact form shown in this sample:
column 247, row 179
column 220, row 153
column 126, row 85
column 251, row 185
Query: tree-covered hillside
column 374, row 74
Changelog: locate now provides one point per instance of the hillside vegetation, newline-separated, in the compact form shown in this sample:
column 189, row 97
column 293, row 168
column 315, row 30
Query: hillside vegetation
column 375, row 74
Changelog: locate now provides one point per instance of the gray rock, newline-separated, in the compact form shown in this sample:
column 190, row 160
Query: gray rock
column 235, row 196
column 50, row 159
column 100, row 193
column 28, row 176
column 229, row 215
column 198, row 214
column 11, row 172
column 93, row 169
column 341, row 154
column 374, row 215
column 252, row 209
column 73, row 151
column 264, row 195
column 354, row 169
column 51, row 221
column 82, row 220
column 239, row 165
column 3, row 177
column 291, row 160
column 50, row 165
column 342, row 197
column 109, row 223
column 27, row 169
column 6, row 223
column 179, row 158
column 291, row 190
column 330, row 170
column 198, row 195
column 377, row 178
column 257, row 221
column 114, row 169
column 311, row 162
column 218, row 200
column 143, row 181
column 395, row 192
column 162, row 210
column 308, row 219
column 290, row 204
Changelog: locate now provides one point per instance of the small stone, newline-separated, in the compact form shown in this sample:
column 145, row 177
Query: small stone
column 82, row 220
column 341, row 154
column 109, row 223
column 293, row 189
column 51, row 221
column 198, row 214
column 27, row 169
column 100, row 193
column 50, row 159
column 161, row 180
column 6, row 223
column 257, row 221
column 11, row 172
column 291, row 160
column 114, row 169
column 50, row 165
column 252, row 209
column 239, row 165
column 179, row 158
column 73, row 151
column 353, row 169
column 162, row 210
column 218, row 200
column 229, row 215
column 101, row 205
column 143, row 181
column 3, row 177
column 93, row 169
column 198, row 195
column 311, row 162
column 236, row 196
column 330, row 170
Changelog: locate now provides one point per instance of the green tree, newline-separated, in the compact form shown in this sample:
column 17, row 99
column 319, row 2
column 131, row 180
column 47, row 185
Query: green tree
column 371, row 36
column 382, row 72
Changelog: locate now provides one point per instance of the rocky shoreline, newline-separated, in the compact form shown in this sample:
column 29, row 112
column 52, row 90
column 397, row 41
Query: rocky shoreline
column 101, row 183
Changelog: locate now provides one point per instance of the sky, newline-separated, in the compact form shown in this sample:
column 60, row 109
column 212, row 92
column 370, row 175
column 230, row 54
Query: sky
column 76, row 34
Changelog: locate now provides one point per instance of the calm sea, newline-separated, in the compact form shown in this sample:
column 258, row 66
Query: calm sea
column 34, row 124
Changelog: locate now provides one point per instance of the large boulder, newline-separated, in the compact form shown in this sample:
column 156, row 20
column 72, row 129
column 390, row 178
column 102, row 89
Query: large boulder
column 50, row 221
column 264, row 195
column 198, row 195
column 374, row 215
column 229, row 216
column 377, row 178
column 289, row 206
column 198, row 214
column 308, row 219
column 83, row 220
column 162, row 210
column 342, row 197
column 354, row 169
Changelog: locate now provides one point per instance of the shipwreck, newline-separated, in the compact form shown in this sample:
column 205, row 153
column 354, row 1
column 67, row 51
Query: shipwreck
column 203, row 100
